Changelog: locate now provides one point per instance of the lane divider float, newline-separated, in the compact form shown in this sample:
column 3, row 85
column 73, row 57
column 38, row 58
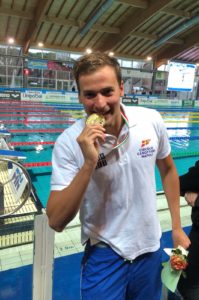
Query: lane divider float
column 32, row 143
column 38, row 164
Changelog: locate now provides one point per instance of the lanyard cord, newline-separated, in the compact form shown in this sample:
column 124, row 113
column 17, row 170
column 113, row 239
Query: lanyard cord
column 118, row 145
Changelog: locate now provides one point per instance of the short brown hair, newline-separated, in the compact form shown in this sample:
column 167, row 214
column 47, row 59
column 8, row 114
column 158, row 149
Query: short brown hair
column 89, row 63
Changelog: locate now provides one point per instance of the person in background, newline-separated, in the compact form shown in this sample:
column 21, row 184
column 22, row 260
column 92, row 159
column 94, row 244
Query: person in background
column 108, row 173
column 189, row 187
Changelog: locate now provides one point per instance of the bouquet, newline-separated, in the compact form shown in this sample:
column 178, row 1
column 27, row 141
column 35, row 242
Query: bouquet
column 174, row 267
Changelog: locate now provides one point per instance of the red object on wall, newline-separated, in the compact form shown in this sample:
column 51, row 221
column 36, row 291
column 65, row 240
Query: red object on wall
column 26, row 72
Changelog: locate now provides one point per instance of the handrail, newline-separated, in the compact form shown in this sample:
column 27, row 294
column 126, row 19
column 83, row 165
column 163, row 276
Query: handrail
column 29, row 185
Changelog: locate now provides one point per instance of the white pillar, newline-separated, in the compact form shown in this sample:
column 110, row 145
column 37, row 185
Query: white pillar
column 43, row 258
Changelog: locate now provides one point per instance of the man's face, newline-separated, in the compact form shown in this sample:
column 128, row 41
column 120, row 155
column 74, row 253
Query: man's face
column 100, row 93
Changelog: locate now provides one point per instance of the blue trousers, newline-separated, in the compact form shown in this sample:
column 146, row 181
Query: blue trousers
column 107, row 276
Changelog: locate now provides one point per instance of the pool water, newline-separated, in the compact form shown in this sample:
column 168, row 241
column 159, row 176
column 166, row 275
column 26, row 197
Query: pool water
column 184, row 139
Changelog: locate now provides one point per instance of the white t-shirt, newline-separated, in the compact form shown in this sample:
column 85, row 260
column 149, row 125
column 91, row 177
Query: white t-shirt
column 119, row 206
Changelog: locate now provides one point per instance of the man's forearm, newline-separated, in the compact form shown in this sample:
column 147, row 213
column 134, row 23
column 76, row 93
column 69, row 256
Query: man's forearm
column 171, row 188
column 63, row 205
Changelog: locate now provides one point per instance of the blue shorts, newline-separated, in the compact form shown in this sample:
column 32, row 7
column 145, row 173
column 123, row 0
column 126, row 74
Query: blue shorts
column 107, row 276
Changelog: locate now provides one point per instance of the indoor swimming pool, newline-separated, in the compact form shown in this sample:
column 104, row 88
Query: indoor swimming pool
column 34, row 130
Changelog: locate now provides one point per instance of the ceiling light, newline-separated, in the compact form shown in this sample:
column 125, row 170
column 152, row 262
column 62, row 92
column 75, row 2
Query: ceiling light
column 11, row 41
column 149, row 58
column 88, row 51
column 111, row 54
column 40, row 44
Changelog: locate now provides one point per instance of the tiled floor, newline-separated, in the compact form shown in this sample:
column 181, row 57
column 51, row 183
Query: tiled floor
column 68, row 241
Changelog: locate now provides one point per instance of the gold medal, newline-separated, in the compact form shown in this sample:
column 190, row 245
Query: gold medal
column 95, row 119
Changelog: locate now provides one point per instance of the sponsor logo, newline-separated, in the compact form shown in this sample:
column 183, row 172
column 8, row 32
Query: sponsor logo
column 31, row 95
column 10, row 95
column 17, row 179
column 145, row 142
column 4, row 95
column 15, row 95
column 126, row 100
column 101, row 161
column 135, row 100
column 130, row 100
column 145, row 150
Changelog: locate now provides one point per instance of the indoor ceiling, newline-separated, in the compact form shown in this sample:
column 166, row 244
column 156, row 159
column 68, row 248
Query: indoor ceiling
column 137, row 29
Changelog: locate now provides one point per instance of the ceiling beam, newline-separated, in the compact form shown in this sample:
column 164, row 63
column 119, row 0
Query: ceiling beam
column 18, row 42
column 108, row 29
column 177, row 31
column 26, row 15
column 61, row 21
column 16, row 13
column 34, row 25
column 132, row 23
column 77, row 24
column 160, row 62
column 82, row 50
column 138, row 19
column 154, row 37
column 124, row 55
column 58, row 47
column 177, row 12
column 135, row 3
column 94, row 18
column 174, row 50
column 191, row 53
column 100, row 28
column 145, row 4
column 146, row 36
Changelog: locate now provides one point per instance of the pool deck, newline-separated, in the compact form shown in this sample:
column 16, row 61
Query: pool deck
column 68, row 241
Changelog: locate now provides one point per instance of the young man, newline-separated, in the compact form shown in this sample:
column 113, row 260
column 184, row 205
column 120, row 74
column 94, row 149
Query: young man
column 189, row 188
column 113, row 185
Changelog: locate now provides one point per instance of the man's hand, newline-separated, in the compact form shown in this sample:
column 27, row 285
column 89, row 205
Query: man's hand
column 191, row 197
column 180, row 238
column 88, row 141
